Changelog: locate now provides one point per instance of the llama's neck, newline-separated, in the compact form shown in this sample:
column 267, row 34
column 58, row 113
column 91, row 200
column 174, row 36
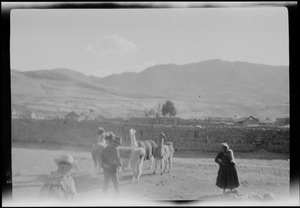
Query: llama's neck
column 101, row 140
column 134, row 144
column 161, row 143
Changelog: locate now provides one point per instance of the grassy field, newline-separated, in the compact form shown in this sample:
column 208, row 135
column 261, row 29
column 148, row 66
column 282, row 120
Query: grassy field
column 192, row 178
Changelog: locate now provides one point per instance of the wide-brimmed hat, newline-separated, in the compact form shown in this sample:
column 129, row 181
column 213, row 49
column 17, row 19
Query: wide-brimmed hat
column 66, row 159
column 100, row 130
column 225, row 145
column 118, row 140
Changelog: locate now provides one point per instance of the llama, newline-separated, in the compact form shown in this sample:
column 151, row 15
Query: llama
column 135, row 156
column 163, row 153
column 97, row 150
column 148, row 145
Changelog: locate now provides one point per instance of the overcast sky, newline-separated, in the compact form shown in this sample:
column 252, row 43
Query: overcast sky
column 101, row 42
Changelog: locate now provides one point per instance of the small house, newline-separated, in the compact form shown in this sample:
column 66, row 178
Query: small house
column 282, row 121
column 72, row 116
column 247, row 121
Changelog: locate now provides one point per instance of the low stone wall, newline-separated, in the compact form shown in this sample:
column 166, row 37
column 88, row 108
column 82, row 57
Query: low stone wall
column 240, row 139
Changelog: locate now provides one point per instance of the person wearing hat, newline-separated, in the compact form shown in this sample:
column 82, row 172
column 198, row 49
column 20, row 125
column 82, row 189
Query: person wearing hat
column 109, row 136
column 227, row 175
column 60, row 184
column 111, row 161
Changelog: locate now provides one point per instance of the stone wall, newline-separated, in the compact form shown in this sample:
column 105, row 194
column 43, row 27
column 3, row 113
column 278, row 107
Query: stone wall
column 240, row 139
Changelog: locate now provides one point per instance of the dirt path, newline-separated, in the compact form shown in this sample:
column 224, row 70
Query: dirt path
column 193, row 176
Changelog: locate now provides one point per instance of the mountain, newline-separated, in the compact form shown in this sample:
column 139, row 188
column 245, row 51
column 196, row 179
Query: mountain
column 210, row 78
column 207, row 88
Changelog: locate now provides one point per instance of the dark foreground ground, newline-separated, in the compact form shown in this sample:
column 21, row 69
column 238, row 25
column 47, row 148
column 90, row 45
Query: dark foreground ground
column 192, row 179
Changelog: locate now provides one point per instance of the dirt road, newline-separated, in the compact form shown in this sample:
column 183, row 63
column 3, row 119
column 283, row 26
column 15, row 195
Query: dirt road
column 192, row 178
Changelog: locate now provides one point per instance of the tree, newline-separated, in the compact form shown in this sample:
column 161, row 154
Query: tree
column 168, row 108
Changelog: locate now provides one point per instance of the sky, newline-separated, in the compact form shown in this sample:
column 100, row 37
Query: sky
column 101, row 42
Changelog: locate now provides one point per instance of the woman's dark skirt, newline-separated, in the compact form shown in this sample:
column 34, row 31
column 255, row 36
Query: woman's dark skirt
column 227, row 177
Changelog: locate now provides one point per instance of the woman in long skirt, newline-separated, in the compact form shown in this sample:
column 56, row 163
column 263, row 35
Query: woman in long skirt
column 227, row 175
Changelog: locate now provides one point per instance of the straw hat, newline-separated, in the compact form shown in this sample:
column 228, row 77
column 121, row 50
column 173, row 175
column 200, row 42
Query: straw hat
column 66, row 159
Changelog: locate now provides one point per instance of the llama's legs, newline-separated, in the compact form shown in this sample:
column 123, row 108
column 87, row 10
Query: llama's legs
column 94, row 160
column 170, row 163
column 133, row 176
column 138, row 176
column 155, row 163
column 95, row 164
column 134, row 172
column 120, row 172
column 139, row 170
column 151, row 162
column 99, row 168
column 161, row 166
column 166, row 164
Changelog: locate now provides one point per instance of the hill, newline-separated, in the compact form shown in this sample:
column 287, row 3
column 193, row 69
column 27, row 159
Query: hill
column 207, row 88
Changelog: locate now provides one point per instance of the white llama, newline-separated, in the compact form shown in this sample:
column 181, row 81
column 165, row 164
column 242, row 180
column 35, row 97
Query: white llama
column 148, row 145
column 163, row 153
column 135, row 156
column 97, row 150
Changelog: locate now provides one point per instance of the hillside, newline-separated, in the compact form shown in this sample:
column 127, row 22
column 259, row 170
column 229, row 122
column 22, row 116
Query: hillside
column 207, row 88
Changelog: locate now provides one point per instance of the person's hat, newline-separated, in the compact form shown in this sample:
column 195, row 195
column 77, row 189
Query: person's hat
column 118, row 140
column 225, row 145
column 162, row 134
column 66, row 159
column 100, row 130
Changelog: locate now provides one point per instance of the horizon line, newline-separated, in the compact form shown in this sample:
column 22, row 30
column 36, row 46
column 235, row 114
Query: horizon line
column 162, row 64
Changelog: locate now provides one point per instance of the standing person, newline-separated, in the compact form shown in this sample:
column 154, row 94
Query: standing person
column 60, row 184
column 111, row 161
column 109, row 136
column 227, row 175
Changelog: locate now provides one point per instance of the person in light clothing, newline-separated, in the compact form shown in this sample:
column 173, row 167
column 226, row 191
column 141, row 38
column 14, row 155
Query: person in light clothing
column 60, row 184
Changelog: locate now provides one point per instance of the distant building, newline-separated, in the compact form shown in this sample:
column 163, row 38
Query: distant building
column 282, row 121
column 84, row 116
column 72, row 116
column 247, row 121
